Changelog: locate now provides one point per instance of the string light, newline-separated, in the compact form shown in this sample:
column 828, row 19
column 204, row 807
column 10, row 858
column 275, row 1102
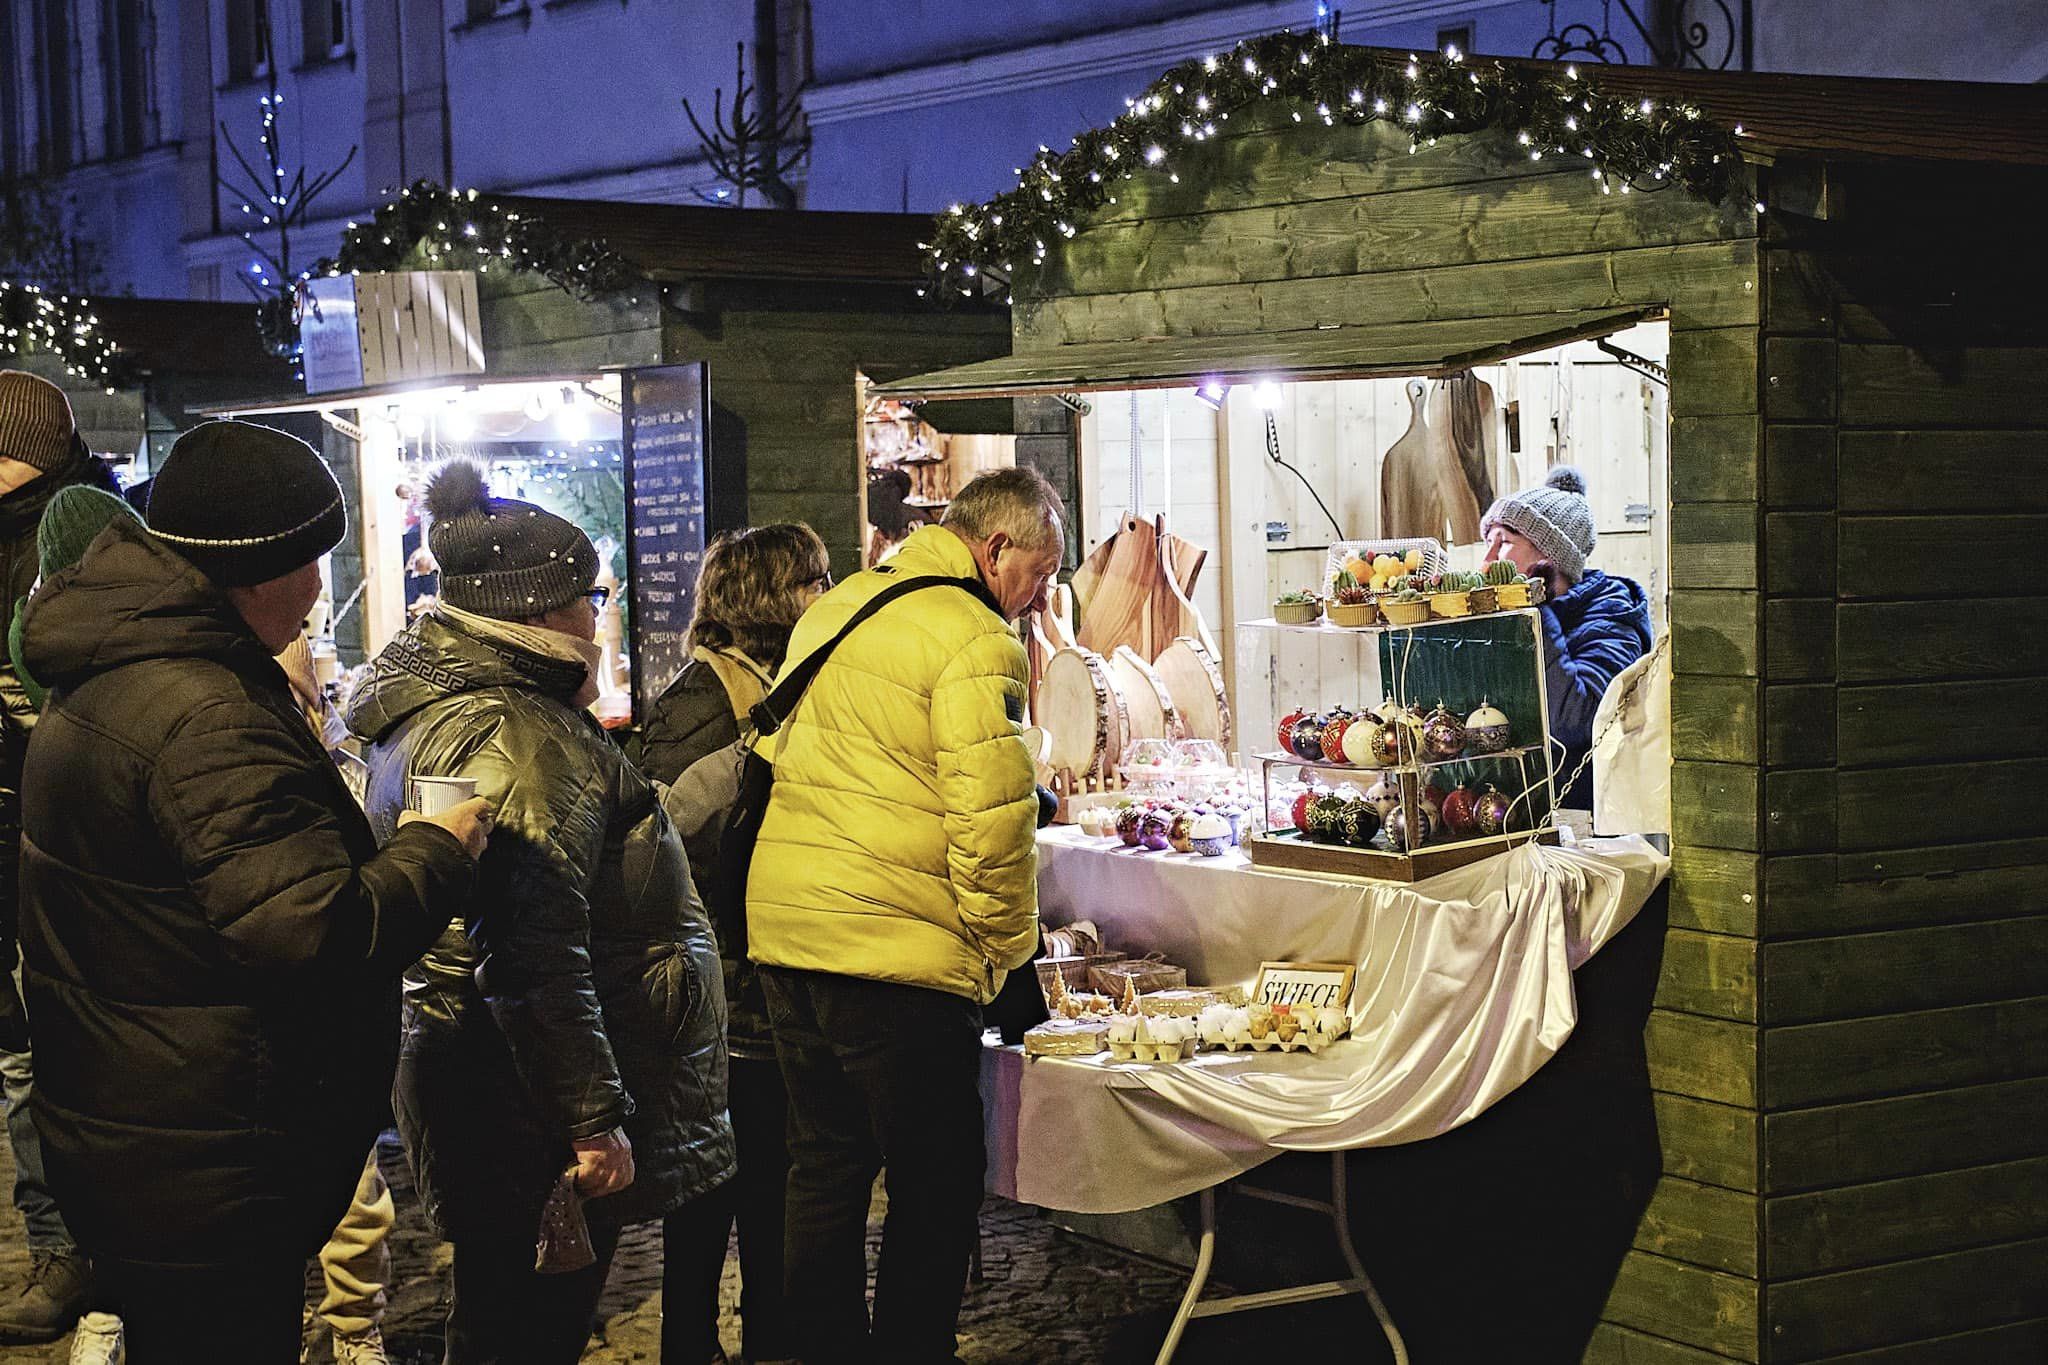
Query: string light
column 34, row 320
column 1632, row 142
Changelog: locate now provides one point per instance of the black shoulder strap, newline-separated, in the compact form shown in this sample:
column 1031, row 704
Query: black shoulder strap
column 769, row 713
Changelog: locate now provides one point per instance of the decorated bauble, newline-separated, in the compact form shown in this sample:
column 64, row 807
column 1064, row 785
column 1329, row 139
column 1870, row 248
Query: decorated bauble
column 1287, row 724
column 1460, row 817
column 1443, row 735
column 1360, row 821
column 1325, row 818
column 1209, row 835
column 1490, row 812
column 1128, row 818
column 1385, row 745
column 1180, row 831
column 1383, row 796
column 1301, row 805
column 1307, row 742
column 1486, row 730
column 1155, row 831
column 1398, row 831
column 1335, row 726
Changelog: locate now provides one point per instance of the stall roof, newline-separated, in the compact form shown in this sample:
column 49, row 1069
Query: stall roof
column 599, row 382
column 1389, row 350
column 673, row 242
column 190, row 337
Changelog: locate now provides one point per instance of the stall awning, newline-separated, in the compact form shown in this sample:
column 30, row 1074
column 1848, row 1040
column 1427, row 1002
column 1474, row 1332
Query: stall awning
column 1387, row 350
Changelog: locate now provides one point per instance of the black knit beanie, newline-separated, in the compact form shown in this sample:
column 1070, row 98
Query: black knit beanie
column 246, row 504
column 499, row 556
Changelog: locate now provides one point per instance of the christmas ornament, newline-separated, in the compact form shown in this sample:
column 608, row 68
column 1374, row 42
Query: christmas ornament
column 1490, row 812
column 1334, row 730
column 1398, row 831
column 1301, row 805
column 1459, row 814
column 1287, row 724
column 1325, row 817
column 1443, row 735
column 1210, row 835
column 1180, row 831
column 1486, row 730
column 1128, row 818
column 1308, row 739
column 1383, row 796
column 1155, row 831
column 1360, row 821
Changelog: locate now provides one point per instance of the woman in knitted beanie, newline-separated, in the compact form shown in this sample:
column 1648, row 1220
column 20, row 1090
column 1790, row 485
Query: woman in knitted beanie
column 1594, row 624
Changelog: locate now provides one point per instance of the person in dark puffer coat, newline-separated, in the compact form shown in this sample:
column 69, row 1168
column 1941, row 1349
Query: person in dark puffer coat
column 575, row 1017
column 751, row 588
column 1594, row 624
column 212, row 939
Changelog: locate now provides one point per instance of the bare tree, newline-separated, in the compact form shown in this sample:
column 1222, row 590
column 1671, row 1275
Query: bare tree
column 752, row 148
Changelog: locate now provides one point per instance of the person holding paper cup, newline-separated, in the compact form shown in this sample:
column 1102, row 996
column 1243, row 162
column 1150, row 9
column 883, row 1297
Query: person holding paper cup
column 575, row 1018
column 212, row 937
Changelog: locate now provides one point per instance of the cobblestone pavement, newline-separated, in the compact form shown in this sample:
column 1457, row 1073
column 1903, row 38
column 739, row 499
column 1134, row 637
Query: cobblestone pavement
column 1045, row 1296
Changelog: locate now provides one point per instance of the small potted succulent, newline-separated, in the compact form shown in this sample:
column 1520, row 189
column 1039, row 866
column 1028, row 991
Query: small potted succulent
column 1408, row 606
column 1350, row 601
column 1485, row 593
column 1450, row 594
column 1296, row 608
column 1510, row 589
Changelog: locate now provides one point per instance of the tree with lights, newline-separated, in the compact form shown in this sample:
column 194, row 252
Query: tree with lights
column 753, row 148
column 279, row 199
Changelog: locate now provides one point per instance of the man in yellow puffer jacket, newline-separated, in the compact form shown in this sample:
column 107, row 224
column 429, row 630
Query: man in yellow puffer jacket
column 893, row 885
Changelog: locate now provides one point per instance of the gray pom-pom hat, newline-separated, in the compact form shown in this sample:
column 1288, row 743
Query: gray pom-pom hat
column 1555, row 518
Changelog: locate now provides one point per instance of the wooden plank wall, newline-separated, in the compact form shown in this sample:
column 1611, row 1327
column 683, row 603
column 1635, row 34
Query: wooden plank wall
column 1277, row 230
column 1903, row 973
column 783, row 380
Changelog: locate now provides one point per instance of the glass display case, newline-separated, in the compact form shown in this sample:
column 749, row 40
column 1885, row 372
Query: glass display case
column 1398, row 752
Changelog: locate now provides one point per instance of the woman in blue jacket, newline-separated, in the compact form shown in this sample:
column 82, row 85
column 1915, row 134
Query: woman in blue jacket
column 1594, row 624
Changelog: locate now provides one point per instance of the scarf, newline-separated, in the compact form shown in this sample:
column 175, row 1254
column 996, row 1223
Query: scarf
column 549, row 644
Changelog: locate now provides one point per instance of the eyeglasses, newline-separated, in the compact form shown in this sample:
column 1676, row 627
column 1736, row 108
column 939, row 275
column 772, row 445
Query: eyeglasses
column 822, row 582
column 599, row 597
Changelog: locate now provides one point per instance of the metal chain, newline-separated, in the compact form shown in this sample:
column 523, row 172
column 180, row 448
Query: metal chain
column 1614, row 718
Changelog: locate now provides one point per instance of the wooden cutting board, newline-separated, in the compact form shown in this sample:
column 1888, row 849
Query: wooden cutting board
column 1185, row 557
column 1461, row 451
column 1410, row 504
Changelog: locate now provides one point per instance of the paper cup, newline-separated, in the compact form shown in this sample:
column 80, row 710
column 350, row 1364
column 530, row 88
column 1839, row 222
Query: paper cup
column 432, row 795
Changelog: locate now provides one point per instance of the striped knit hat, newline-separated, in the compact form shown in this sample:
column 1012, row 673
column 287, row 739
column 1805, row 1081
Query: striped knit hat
column 36, row 426
column 246, row 504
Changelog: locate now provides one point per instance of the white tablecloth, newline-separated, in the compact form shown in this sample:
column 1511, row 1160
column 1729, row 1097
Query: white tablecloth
column 1464, row 989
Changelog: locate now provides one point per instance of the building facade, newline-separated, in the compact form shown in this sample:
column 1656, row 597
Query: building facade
column 119, row 117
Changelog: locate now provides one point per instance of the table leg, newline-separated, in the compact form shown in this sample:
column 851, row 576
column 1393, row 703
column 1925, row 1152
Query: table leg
column 1205, row 1254
column 1340, row 1214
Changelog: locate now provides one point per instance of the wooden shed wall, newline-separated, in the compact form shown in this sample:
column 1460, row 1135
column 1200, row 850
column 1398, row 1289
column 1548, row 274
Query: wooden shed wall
column 1294, row 227
column 1903, row 868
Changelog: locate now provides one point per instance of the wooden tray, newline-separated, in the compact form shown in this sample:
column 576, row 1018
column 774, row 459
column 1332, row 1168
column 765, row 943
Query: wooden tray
column 1296, row 854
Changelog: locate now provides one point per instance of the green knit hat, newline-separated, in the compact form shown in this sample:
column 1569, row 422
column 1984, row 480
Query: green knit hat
column 75, row 517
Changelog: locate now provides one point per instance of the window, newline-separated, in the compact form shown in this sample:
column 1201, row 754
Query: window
column 1459, row 37
column 56, row 146
column 128, row 54
column 326, row 29
column 248, row 39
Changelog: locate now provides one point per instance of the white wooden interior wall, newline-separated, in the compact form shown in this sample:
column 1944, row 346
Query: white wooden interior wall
column 1574, row 405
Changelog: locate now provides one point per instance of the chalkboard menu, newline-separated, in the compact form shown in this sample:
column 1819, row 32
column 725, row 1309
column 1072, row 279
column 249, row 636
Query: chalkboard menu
column 667, row 517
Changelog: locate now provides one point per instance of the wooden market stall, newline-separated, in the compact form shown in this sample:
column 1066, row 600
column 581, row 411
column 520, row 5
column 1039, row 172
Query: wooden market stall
column 741, row 340
column 1847, row 1051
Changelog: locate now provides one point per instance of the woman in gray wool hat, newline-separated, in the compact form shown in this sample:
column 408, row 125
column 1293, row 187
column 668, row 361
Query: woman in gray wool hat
column 1594, row 624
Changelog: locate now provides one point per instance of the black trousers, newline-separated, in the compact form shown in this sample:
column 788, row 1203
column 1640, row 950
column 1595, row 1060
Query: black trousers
column 879, row 1075
column 760, row 1126
column 240, row 1311
column 503, row 1313
column 693, row 1242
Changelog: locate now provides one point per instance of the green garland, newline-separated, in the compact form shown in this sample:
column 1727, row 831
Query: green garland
column 35, row 320
column 1633, row 144
column 461, row 230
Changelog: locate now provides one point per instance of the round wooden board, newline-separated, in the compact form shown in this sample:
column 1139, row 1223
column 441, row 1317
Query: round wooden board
column 1153, row 714
column 1083, row 712
column 1195, row 683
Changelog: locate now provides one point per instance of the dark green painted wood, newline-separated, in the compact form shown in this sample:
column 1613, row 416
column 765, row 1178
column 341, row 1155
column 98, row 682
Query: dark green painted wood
column 1799, row 554
column 1800, row 809
column 1703, row 1225
column 1713, row 545
column 1710, row 974
column 1940, row 803
column 1713, row 371
column 1906, row 386
column 1879, row 724
column 1890, row 1054
column 1799, row 465
column 1958, row 638
column 1714, row 1144
column 1895, row 556
column 1799, row 379
column 1714, row 889
column 1905, row 1301
column 1813, row 979
column 1892, row 1220
column 1799, row 639
column 1927, row 472
column 1714, row 719
column 1706, row 1059
column 1685, row 1303
column 1900, row 888
column 1714, row 459
column 2011, row 1343
column 1715, row 633
column 1715, row 804
column 1797, row 294
column 1848, row 1144
column 1799, row 725
column 1612, row 1345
